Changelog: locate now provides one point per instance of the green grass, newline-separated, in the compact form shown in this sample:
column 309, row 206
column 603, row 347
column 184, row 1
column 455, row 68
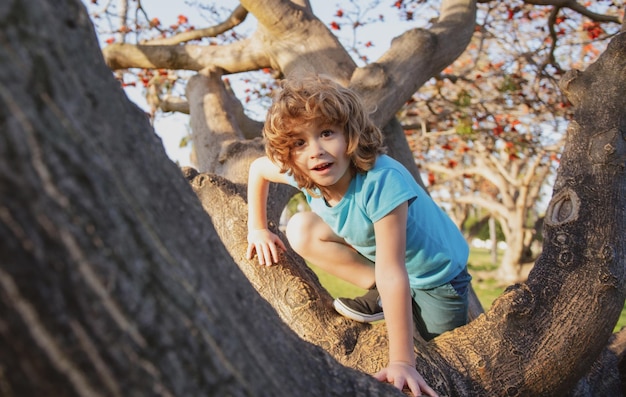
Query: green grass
column 336, row 287
column 480, row 260
column 489, row 289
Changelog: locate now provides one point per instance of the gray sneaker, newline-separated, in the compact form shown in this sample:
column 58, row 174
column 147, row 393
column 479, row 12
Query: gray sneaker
column 365, row 309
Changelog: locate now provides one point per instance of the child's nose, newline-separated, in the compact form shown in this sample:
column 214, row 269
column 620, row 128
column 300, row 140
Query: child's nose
column 315, row 149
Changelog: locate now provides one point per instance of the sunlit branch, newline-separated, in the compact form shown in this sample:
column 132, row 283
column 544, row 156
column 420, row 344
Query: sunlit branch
column 235, row 18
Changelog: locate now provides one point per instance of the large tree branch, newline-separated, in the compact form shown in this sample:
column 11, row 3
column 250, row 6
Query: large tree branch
column 413, row 58
column 115, row 281
column 219, row 126
column 240, row 56
column 298, row 42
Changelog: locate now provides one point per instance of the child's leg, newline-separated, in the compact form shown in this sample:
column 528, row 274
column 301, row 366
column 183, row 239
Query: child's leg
column 315, row 241
column 442, row 308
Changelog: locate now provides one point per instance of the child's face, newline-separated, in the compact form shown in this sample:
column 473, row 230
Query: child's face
column 320, row 153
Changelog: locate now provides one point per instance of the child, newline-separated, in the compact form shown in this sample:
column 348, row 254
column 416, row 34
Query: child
column 371, row 224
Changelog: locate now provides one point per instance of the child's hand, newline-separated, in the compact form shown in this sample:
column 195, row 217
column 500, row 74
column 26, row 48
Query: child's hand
column 400, row 374
column 266, row 245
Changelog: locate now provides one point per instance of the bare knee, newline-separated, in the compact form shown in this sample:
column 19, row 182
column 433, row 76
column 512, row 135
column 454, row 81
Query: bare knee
column 300, row 231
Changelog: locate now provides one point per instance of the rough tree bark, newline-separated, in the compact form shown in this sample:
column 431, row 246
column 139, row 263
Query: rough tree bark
column 115, row 282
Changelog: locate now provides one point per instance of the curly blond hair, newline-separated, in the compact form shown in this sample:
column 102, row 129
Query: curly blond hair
column 318, row 99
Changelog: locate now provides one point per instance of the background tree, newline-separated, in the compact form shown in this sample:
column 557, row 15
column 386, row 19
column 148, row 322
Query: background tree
column 486, row 131
column 115, row 279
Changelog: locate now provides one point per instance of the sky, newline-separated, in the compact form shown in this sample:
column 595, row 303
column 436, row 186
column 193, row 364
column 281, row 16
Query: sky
column 172, row 128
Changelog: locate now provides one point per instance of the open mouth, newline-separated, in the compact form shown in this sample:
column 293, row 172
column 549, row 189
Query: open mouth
column 322, row 167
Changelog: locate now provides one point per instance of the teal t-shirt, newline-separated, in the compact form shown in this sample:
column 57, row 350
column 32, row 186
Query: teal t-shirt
column 436, row 250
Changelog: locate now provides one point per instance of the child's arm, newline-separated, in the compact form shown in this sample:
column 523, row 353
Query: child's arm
column 260, row 238
column 393, row 285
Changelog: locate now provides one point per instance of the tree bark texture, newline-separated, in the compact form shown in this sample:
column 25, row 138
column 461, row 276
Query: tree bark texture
column 114, row 281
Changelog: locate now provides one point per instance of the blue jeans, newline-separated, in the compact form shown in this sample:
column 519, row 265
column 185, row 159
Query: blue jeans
column 442, row 308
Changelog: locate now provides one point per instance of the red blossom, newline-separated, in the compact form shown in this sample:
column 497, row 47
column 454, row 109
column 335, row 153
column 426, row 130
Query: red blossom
column 431, row 178
column 594, row 30
column 334, row 25
column 590, row 48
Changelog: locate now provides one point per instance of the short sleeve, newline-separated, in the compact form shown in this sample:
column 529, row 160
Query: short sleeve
column 385, row 190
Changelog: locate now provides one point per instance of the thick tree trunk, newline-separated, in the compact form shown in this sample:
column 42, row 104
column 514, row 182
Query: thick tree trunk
column 114, row 281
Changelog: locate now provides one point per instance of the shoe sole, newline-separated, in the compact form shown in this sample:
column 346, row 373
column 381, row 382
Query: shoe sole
column 356, row 316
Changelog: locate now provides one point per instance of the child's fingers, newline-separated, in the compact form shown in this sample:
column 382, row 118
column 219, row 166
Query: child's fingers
column 270, row 254
column 399, row 383
column 282, row 245
column 427, row 391
column 266, row 256
column 260, row 252
column 277, row 244
column 274, row 252
column 421, row 386
column 267, row 253
column 381, row 375
column 250, row 251
column 415, row 387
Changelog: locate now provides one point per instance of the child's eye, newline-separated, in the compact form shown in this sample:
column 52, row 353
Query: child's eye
column 298, row 143
column 326, row 133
